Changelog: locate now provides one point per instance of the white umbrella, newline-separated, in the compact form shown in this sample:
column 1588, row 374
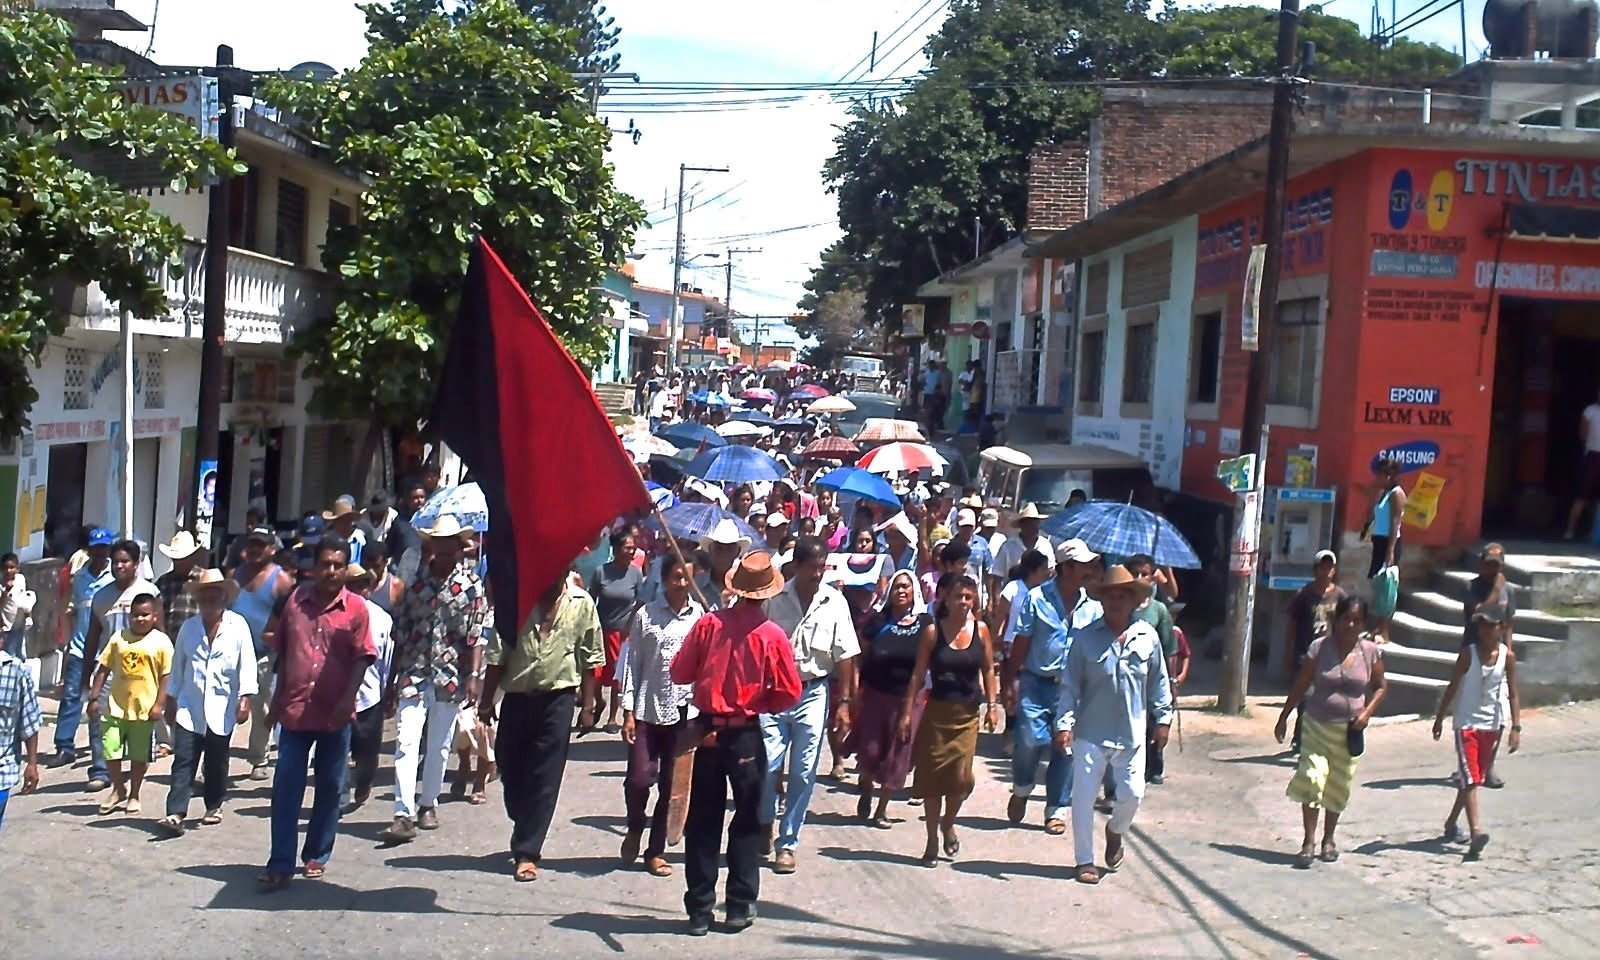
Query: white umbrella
column 647, row 445
column 739, row 428
column 903, row 457
column 829, row 405
column 885, row 428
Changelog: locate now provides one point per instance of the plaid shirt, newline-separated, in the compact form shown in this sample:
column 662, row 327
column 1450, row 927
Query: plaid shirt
column 19, row 717
column 435, row 623
column 175, row 600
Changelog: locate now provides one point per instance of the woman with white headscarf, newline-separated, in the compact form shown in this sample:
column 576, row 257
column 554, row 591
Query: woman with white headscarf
column 888, row 660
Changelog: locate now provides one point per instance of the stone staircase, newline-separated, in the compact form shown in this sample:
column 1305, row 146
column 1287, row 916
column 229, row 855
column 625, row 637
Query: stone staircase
column 615, row 397
column 1427, row 632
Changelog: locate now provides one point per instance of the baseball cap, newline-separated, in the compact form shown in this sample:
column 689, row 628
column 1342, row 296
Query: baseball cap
column 1327, row 555
column 100, row 537
column 1493, row 552
column 966, row 518
column 263, row 534
column 380, row 499
column 776, row 519
column 990, row 517
column 311, row 528
column 1075, row 551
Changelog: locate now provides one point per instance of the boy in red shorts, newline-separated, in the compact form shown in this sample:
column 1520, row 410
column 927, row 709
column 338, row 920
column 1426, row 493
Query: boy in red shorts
column 1486, row 679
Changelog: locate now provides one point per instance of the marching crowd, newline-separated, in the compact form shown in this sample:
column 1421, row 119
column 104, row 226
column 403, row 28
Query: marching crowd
column 727, row 658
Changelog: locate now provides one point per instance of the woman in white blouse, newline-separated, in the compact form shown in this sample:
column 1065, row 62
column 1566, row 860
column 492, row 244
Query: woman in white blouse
column 655, row 709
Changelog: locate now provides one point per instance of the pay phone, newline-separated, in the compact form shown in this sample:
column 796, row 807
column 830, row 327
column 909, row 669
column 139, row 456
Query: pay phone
column 1302, row 526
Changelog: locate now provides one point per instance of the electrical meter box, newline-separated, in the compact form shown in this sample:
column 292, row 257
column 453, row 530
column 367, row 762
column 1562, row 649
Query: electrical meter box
column 1303, row 525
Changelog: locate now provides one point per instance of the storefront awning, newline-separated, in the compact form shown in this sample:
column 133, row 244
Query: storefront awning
column 1531, row 221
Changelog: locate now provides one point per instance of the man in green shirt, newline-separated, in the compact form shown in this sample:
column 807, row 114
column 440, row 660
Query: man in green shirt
column 1155, row 613
column 542, row 676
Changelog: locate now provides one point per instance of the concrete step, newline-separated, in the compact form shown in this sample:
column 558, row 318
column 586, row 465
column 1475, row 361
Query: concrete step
column 1410, row 693
column 1419, row 661
column 1443, row 609
column 1453, row 584
column 615, row 397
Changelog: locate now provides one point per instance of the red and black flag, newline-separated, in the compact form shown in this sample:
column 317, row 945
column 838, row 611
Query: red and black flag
column 522, row 416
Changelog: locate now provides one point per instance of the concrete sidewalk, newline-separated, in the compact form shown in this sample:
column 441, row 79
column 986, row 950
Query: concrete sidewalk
column 1207, row 873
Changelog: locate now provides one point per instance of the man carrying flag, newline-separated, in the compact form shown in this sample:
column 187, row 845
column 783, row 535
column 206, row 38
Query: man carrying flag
column 525, row 421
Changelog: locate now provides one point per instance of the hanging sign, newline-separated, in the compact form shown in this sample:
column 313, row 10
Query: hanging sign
column 1250, row 310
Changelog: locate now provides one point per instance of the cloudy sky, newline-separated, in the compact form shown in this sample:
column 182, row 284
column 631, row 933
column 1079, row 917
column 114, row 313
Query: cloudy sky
column 772, row 197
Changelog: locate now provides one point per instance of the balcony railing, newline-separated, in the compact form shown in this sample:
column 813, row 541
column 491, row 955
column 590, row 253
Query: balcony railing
column 268, row 300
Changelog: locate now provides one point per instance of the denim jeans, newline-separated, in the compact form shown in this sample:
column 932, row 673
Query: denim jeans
column 4, row 796
column 71, row 714
column 800, row 729
column 289, row 792
column 16, row 642
column 1036, row 725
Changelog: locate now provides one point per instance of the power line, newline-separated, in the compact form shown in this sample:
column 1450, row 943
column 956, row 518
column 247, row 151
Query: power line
column 866, row 63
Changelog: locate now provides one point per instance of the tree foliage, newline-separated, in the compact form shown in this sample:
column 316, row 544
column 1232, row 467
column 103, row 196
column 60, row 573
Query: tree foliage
column 839, row 323
column 467, row 123
column 920, row 180
column 61, row 223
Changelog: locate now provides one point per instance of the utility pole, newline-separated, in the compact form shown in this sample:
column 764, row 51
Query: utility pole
column 214, row 322
column 727, row 300
column 1242, row 585
column 677, row 268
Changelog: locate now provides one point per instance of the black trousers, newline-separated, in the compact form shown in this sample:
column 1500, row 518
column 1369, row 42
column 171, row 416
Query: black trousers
column 189, row 748
column 366, row 741
column 1155, row 765
column 531, row 749
column 651, row 760
column 736, row 762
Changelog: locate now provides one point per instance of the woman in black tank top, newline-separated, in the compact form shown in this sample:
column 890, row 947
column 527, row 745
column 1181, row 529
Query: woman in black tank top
column 957, row 656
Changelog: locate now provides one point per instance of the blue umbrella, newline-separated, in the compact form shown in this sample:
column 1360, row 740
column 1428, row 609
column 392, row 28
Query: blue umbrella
column 1122, row 530
column 659, row 495
column 754, row 416
column 734, row 464
column 691, row 434
column 862, row 484
column 691, row 521
column 464, row 502
column 792, row 423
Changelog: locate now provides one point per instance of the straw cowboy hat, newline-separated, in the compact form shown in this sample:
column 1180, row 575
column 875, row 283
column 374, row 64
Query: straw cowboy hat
column 1029, row 511
column 342, row 507
column 183, row 545
column 448, row 526
column 755, row 577
column 1116, row 578
column 725, row 533
column 355, row 573
column 212, row 578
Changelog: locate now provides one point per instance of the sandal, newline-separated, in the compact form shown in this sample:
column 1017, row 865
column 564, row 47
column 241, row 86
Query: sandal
column 111, row 804
column 1115, row 861
column 1304, row 859
column 930, row 856
column 952, row 845
column 271, row 882
column 171, row 826
column 314, row 869
column 527, row 871
column 882, row 822
column 478, row 798
column 1086, row 873
column 658, row 867
column 1055, row 826
column 1330, row 853
column 212, row 818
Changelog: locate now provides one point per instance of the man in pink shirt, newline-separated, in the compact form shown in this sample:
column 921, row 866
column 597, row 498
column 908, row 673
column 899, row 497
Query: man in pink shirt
column 324, row 646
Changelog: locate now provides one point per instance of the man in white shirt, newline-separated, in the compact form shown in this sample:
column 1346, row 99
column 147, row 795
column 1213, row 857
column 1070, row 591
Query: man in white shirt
column 1028, row 538
column 366, row 733
column 1589, row 483
column 817, row 619
column 209, row 688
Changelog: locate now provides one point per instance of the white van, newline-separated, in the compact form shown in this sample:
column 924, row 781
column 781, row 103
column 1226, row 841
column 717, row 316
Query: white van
column 1046, row 474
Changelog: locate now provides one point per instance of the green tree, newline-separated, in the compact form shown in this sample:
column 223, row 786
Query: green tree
column 920, row 180
column 61, row 223
column 838, row 324
column 468, row 124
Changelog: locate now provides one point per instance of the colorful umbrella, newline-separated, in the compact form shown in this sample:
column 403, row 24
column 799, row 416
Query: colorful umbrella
column 644, row 444
column 755, row 417
column 691, row 521
column 690, row 434
column 878, row 429
column 464, row 502
column 828, row 405
column 813, row 390
column 734, row 464
column 760, row 393
column 860, row 483
column 903, row 457
column 739, row 428
column 831, row 448
column 1122, row 530
column 661, row 496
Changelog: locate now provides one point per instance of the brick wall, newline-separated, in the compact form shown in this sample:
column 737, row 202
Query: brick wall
column 1058, row 186
column 1143, row 138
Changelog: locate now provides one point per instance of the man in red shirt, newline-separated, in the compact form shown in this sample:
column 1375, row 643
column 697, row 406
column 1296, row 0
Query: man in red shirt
column 741, row 666
column 324, row 646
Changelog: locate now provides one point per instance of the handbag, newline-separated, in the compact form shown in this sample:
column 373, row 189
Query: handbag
column 1385, row 592
column 1355, row 740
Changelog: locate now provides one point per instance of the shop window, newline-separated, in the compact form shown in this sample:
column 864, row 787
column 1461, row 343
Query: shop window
column 1205, row 358
column 1091, row 368
column 75, row 379
column 1096, row 288
column 291, row 236
column 1147, row 275
column 287, row 375
column 1139, row 362
column 1296, row 348
column 154, row 395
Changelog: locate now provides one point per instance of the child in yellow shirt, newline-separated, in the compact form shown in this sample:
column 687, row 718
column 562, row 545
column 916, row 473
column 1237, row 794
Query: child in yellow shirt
column 137, row 661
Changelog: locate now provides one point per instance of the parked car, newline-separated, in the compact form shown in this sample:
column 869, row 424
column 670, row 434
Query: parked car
column 1046, row 474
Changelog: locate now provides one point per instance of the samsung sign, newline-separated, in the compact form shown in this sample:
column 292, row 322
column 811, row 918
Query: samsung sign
column 1411, row 455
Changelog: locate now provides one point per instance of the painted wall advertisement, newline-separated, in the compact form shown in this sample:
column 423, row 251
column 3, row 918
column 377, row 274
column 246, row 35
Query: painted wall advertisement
column 913, row 319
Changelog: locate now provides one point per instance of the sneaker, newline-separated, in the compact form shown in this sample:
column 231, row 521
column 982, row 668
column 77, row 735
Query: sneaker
column 401, row 831
column 60, row 760
column 427, row 819
column 97, row 784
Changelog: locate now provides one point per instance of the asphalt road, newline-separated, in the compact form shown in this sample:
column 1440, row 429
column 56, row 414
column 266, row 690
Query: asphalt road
column 1208, row 872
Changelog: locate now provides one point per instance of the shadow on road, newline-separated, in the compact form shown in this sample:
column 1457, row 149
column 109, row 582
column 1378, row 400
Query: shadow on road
column 912, row 857
column 1001, row 870
column 611, row 927
column 616, row 825
column 1435, row 845
column 1281, row 759
column 496, row 863
column 1401, row 782
column 240, row 891
column 1272, row 858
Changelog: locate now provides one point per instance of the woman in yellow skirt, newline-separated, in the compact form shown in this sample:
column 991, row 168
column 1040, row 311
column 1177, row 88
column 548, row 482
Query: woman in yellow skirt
column 1341, row 681
column 956, row 655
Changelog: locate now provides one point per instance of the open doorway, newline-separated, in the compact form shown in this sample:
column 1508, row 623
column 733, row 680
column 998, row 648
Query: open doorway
column 1547, row 370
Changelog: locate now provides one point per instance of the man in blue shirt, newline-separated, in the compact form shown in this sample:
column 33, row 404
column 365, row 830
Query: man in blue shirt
column 1115, row 682
column 94, row 574
column 1051, row 616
